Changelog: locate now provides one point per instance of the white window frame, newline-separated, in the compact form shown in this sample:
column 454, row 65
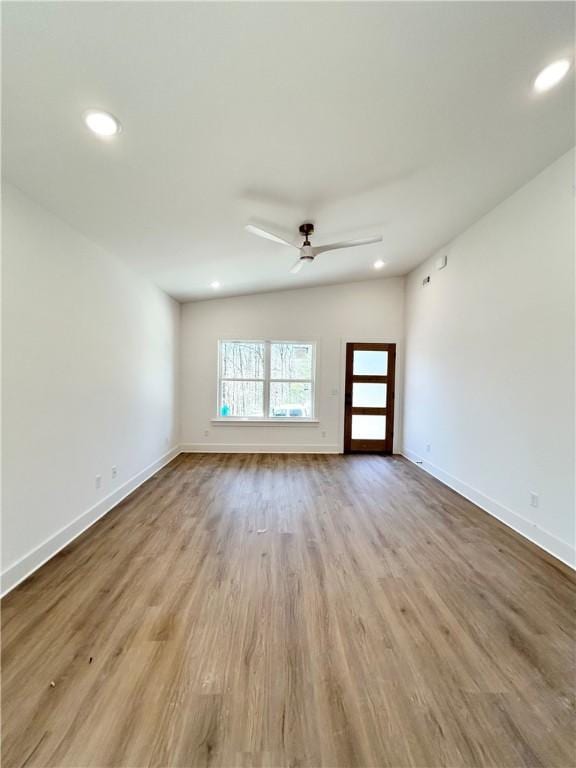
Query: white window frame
column 267, row 380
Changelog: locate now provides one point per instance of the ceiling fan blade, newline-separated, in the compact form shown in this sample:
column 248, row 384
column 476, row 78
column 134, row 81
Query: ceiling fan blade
column 297, row 266
column 268, row 235
column 347, row 244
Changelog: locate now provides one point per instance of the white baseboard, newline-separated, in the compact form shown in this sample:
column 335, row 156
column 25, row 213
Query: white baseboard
column 24, row 567
column 546, row 541
column 258, row 448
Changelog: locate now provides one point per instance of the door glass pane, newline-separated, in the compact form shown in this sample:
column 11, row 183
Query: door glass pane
column 242, row 360
column 290, row 361
column 369, row 362
column 368, row 395
column 368, row 427
column 242, row 398
column 290, row 400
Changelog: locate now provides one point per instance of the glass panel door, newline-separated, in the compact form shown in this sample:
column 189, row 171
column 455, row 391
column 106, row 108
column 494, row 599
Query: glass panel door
column 369, row 404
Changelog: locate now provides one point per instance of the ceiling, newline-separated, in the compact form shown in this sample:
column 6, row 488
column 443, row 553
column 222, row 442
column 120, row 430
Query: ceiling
column 408, row 120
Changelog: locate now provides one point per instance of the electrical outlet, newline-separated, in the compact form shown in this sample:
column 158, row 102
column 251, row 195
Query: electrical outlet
column 428, row 447
column 114, row 473
column 323, row 433
column 534, row 499
column 98, row 481
column 206, row 432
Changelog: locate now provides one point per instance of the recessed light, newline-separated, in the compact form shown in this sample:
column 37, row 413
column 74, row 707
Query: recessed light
column 215, row 285
column 551, row 75
column 101, row 123
column 379, row 264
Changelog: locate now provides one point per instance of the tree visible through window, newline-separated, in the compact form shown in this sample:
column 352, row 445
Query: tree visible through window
column 266, row 379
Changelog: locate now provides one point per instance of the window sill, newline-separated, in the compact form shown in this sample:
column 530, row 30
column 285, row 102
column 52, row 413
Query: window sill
column 272, row 422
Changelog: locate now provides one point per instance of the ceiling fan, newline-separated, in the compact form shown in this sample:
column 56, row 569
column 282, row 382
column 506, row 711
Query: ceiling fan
column 308, row 252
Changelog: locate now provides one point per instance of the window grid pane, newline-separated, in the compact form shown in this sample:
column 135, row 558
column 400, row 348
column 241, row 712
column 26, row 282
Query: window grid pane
column 368, row 427
column 291, row 360
column 368, row 395
column 242, row 399
column 290, row 399
column 242, row 360
column 370, row 362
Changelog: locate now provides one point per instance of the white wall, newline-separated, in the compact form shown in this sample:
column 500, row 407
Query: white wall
column 330, row 315
column 89, row 381
column 490, row 361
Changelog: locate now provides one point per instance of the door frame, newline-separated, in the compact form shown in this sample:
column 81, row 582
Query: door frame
column 389, row 379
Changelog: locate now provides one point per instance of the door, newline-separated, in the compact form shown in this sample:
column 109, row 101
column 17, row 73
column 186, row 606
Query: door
column 369, row 398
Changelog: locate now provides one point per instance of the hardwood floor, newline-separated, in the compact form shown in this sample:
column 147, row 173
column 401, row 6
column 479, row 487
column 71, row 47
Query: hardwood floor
column 287, row 610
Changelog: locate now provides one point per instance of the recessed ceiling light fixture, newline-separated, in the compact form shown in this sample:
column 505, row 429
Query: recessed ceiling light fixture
column 215, row 285
column 379, row 264
column 101, row 123
column 551, row 75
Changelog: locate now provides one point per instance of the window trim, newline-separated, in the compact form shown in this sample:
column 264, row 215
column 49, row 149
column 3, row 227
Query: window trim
column 267, row 380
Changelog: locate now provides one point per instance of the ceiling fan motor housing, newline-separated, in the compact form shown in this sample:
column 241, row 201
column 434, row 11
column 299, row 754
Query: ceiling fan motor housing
column 307, row 252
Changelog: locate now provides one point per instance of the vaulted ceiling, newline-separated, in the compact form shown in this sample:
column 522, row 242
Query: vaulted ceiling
column 408, row 120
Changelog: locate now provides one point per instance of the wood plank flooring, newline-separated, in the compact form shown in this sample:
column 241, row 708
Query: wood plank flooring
column 288, row 610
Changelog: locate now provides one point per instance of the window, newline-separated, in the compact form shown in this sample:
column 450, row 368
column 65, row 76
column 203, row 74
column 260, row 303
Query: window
column 266, row 380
